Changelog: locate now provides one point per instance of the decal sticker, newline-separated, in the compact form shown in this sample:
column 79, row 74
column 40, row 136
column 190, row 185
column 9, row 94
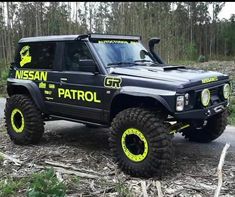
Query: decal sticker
column 49, row 98
column 116, row 41
column 25, row 56
column 52, row 86
column 31, row 75
column 112, row 82
column 48, row 92
column 42, row 85
column 78, row 95
column 208, row 80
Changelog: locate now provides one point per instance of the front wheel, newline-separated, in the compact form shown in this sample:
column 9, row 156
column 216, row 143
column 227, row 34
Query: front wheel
column 212, row 130
column 140, row 142
column 23, row 120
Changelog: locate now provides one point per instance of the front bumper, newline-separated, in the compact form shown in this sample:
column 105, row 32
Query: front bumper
column 202, row 114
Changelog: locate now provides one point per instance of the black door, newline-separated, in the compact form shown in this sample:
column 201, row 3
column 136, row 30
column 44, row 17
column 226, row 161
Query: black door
column 80, row 92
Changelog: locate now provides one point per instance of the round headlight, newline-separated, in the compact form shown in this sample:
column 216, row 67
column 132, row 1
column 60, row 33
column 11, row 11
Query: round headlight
column 226, row 90
column 205, row 97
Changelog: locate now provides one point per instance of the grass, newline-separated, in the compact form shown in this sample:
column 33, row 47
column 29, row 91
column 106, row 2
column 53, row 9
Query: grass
column 46, row 184
column 3, row 78
column 231, row 119
column 123, row 190
column 42, row 184
column 10, row 187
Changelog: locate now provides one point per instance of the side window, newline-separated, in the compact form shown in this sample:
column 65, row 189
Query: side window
column 78, row 57
column 36, row 55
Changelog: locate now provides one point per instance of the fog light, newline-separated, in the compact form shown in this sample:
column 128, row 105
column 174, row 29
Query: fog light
column 205, row 97
column 226, row 91
column 180, row 103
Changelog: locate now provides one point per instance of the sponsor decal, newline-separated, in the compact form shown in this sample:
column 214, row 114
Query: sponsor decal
column 31, row 75
column 210, row 79
column 116, row 41
column 72, row 94
column 25, row 56
column 112, row 82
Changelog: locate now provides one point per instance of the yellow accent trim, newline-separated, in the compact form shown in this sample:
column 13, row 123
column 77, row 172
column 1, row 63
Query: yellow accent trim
column 206, row 104
column 13, row 113
column 135, row 158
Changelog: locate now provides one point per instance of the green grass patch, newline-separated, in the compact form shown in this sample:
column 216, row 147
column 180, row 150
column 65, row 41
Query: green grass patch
column 46, row 184
column 10, row 187
column 231, row 119
column 123, row 190
column 41, row 184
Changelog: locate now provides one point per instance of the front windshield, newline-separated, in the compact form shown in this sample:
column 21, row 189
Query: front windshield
column 112, row 52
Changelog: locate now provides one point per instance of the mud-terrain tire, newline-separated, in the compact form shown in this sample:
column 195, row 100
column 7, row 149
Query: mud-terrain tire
column 213, row 129
column 152, row 150
column 23, row 120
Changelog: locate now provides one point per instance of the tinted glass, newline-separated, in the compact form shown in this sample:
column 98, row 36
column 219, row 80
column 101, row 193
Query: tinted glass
column 75, row 52
column 36, row 55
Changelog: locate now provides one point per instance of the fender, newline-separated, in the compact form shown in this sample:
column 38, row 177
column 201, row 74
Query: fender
column 33, row 89
column 158, row 94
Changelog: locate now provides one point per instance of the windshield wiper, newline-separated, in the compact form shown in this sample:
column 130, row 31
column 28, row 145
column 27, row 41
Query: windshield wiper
column 143, row 61
column 115, row 64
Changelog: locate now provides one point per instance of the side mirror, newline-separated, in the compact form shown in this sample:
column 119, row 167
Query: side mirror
column 88, row 65
column 152, row 42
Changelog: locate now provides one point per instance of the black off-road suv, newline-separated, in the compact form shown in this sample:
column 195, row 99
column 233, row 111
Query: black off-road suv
column 113, row 81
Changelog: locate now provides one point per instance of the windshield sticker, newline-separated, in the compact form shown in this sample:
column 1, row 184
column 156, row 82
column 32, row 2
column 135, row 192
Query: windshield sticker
column 116, row 41
column 25, row 56
column 211, row 79
column 112, row 82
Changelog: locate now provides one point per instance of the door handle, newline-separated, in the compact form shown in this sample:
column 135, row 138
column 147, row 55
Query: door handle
column 63, row 80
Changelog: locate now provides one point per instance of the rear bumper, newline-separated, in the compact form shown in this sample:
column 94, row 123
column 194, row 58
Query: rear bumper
column 202, row 114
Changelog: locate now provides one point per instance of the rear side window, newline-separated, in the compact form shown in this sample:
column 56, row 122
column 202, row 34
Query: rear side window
column 36, row 55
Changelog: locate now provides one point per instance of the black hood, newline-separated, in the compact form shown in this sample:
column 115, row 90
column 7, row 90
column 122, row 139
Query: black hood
column 177, row 74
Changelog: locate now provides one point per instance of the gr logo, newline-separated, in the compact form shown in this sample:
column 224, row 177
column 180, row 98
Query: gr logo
column 112, row 82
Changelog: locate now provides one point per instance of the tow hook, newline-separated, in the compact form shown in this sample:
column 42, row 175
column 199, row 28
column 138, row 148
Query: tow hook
column 177, row 127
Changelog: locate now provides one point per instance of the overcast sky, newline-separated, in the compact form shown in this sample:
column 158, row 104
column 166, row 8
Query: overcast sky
column 226, row 11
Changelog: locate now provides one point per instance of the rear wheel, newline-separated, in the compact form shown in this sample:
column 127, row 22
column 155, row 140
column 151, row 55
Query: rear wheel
column 212, row 130
column 23, row 120
column 140, row 142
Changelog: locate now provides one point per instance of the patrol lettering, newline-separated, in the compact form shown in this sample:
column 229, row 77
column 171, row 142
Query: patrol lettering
column 78, row 95
column 31, row 75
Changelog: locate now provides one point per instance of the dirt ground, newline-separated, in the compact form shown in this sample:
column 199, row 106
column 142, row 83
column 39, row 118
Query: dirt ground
column 88, row 152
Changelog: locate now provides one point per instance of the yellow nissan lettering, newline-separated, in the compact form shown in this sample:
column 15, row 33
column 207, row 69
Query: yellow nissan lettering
column 26, row 74
column 31, row 75
column 19, row 74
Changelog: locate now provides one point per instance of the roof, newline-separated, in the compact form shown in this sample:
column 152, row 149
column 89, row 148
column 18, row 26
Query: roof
column 74, row 37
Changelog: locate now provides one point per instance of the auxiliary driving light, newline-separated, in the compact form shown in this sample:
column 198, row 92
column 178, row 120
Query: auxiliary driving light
column 205, row 97
column 226, row 91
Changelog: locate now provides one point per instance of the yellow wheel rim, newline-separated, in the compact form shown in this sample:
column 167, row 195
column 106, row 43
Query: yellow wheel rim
column 133, row 134
column 17, row 121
